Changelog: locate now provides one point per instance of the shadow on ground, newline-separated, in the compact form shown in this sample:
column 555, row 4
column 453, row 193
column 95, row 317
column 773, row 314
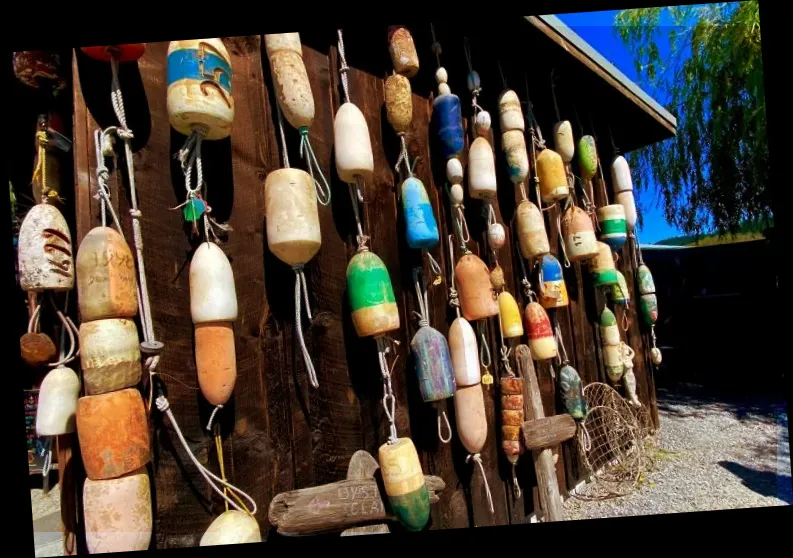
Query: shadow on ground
column 765, row 483
column 677, row 402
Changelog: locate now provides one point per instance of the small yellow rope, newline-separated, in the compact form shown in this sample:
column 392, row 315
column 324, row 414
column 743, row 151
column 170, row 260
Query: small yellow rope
column 41, row 166
column 219, row 448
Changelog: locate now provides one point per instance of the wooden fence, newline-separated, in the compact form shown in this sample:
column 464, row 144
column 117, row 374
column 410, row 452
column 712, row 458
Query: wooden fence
column 278, row 432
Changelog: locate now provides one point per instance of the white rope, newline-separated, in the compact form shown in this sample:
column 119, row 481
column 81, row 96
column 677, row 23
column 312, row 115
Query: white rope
column 47, row 452
column 284, row 151
column 434, row 266
column 307, row 152
column 212, row 417
column 448, row 438
column 343, row 68
column 478, row 460
column 421, row 295
column 389, row 400
column 300, row 285
column 454, row 301
column 561, row 343
column 561, row 238
column 103, row 192
column 404, row 157
column 357, row 197
column 505, row 349
column 515, row 481
column 584, row 440
column 165, row 407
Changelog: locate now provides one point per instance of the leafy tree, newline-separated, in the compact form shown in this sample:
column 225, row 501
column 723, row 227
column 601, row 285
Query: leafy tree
column 714, row 175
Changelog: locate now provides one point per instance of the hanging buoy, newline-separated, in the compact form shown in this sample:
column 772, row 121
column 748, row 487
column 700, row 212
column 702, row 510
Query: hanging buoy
column 352, row 144
column 37, row 349
column 572, row 392
column 398, row 102
column 623, row 189
column 477, row 299
column 464, row 353
column 448, row 118
column 563, row 142
column 611, row 343
column 553, row 177
column 553, row 290
column 292, row 218
column 496, row 235
column 470, row 416
column 199, row 88
column 213, row 297
column 118, row 514
column 113, row 433
column 579, row 234
column 404, row 483
column 40, row 69
column 107, row 285
column 109, row 355
column 232, row 527
column 122, row 53
column 57, row 405
column 587, row 157
column 372, row 301
column 602, row 266
column 512, row 417
column 542, row 341
column 532, row 237
column 510, row 112
column 655, row 356
column 216, row 361
column 646, row 281
column 514, row 145
column 473, row 82
column 433, row 364
column 619, row 291
column 403, row 51
column 509, row 312
column 45, row 251
column 420, row 224
column 648, row 301
column 613, row 226
column 482, row 123
column 292, row 88
column 481, row 170
column 497, row 277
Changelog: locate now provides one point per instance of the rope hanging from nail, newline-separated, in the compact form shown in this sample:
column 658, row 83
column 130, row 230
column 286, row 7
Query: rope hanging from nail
column 485, row 358
column 454, row 300
column 389, row 400
column 561, row 238
column 164, row 406
column 307, row 153
column 436, row 46
column 478, row 460
column 343, row 68
column 441, row 437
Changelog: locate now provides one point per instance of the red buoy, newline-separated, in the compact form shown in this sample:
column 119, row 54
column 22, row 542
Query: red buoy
column 123, row 53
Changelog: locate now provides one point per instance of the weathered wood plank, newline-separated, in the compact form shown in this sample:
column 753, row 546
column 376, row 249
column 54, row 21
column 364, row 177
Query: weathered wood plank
column 549, row 431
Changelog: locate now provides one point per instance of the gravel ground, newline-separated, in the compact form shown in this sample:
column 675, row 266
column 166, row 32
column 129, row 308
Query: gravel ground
column 47, row 536
column 711, row 453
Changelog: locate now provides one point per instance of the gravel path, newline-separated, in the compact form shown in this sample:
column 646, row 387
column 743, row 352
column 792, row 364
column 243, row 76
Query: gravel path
column 711, row 453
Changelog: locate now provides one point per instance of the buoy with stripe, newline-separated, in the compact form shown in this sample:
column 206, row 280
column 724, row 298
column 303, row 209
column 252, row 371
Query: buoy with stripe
column 611, row 344
column 602, row 266
column 372, row 301
column 613, row 226
column 542, row 340
column 579, row 234
column 200, row 88
column 553, row 290
column 622, row 184
column 619, row 291
column 404, row 483
column 532, row 236
column 512, row 417
column 513, row 140
column 648, row 301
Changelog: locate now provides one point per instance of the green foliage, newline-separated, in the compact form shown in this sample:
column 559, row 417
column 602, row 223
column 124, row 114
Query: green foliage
column 714, row 174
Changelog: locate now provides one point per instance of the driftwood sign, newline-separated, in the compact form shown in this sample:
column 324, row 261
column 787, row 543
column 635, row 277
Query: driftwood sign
column 357, row 503
column 539, row 434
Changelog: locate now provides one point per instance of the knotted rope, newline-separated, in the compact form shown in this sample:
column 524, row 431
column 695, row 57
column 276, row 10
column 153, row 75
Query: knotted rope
column 478, row 460
column 343, row 68
column 454, row 300
column 484, row 354
column 164, row 406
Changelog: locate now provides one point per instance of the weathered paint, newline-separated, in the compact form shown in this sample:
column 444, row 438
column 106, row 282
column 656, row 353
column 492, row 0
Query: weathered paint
column 464, row 353
column 512, row 417
column 45, row 251
column 372, row 301
column 513, row 144
column 648, row 308
column 553, row 177
column 602, row 266
column 477, row 299
column 613, row 227
column 404, row 483
column 542, row 341
column 448, row 119
column 292, row 216
column 645, row 278
column 403, row 51
column 109, row 355
column 290, row 78
column 587, row 157
column 232, row 527
column 118, row 514
column 398, row 102
column 433, row 364
column 532, row 237
column 619, row 291
column 421, row 227
column 553, row 290
column 572, row 392
column 579, row 234
column 123, row 52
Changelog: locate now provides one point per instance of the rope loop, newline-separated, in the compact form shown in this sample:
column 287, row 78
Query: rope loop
column 477, row 458
column 448, row 438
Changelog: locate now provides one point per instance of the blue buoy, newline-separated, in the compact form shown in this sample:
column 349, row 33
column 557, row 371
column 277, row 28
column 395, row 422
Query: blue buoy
column 420, row 224
column 449, row 122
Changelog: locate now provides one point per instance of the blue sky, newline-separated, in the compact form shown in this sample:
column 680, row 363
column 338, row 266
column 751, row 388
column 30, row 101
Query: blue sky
column 597, row 28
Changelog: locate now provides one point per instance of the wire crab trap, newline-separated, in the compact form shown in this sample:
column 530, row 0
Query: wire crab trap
column 612, row 448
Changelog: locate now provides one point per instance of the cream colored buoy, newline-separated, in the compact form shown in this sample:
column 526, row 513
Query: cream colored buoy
column 579, row 234
column 109, row 355
column 513, row 143
column 107, row 285
column 404, row 483
column 213, row 296
column 199, row 87
column 477, row 299
column 469, row 411
column 532, row 237
column 57, row 407
column 398, row 102
column 118, row 514
column 45, row 251
column 563, row 142
column 552, row 175
column 290, row 78
column 352, row 144
column 232, row 527
column 510, row 112
column 612, row 345
column 622, row 183
column 465, row 353
column 290, row 205
column 481, row 170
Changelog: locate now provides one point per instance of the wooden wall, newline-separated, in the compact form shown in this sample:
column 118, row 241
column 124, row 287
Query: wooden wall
column 279, row 433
